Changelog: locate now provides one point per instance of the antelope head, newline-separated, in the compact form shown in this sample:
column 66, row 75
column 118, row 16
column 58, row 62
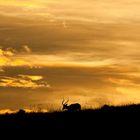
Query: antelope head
column 64, row 103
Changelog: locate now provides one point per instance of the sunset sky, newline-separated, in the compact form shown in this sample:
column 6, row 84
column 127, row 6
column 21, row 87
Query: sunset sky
column 87, row 51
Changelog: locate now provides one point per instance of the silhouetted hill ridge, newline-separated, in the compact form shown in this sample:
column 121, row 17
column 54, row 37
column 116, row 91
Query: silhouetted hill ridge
column 107, row 119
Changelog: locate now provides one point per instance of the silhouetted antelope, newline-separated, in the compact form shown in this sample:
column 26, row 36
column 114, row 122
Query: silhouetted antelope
column 71, row 107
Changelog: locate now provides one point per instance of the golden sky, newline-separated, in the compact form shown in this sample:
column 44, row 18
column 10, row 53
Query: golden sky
column 88, row 51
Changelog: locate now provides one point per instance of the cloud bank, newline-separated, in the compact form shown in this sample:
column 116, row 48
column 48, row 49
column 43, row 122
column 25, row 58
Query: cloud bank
column 85, row 50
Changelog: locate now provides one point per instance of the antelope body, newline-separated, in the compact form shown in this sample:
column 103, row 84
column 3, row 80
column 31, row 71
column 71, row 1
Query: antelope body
column 71, row 107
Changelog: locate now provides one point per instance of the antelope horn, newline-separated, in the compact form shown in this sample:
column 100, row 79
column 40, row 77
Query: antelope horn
column 67, row 101
column 63, row 101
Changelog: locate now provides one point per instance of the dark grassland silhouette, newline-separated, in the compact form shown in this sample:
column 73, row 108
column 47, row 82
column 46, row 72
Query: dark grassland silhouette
column 108, row 119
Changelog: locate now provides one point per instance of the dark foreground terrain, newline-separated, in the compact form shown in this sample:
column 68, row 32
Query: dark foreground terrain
column 105, row 122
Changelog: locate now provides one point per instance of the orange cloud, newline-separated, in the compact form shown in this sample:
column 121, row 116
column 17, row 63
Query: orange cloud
column 9, row 58
column 32, row 77
column 24, row 81
column 27, row 49
column 122, row 82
